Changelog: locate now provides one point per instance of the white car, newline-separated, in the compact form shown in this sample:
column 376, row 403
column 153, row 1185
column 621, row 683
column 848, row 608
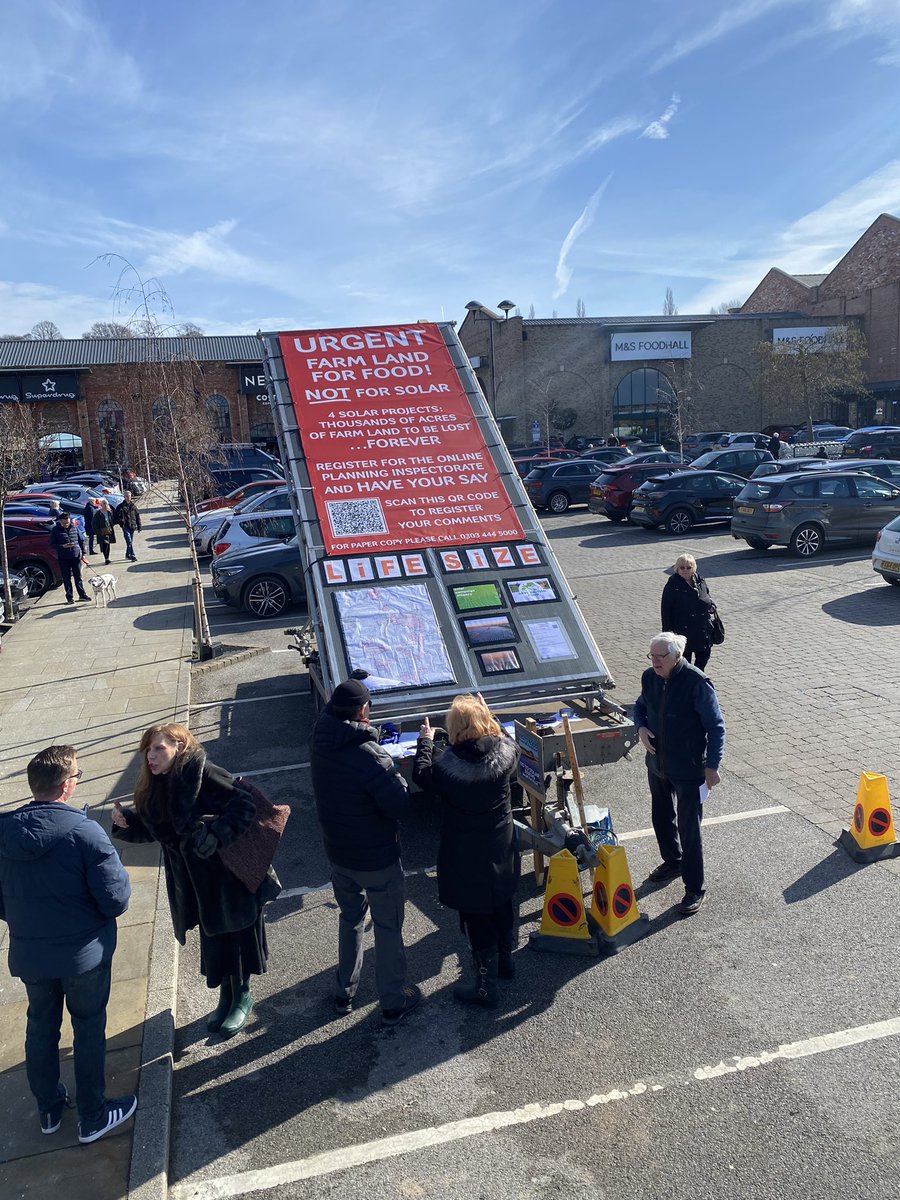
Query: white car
column 243, row 532
column 205, row 526
column 886, row 555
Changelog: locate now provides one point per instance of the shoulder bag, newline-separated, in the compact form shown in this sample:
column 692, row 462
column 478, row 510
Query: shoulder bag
column 249, row 857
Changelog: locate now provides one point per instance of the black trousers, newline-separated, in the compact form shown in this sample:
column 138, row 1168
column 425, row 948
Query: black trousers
column 487, row 931
column 677, row 812
column 71, row 569
column 700, row 651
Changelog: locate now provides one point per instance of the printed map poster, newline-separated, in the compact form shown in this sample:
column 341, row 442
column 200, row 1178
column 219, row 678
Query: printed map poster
column 395, row 455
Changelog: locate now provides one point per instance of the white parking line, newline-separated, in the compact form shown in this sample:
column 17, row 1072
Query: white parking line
column 331, row 1161
column 747, row 815
column 273, row 770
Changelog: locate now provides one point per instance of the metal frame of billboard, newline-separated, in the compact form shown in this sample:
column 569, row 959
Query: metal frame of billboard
column 587, row 675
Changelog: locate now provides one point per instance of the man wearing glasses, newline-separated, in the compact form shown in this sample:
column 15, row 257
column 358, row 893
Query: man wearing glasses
column 62, row 886
column 682, row 730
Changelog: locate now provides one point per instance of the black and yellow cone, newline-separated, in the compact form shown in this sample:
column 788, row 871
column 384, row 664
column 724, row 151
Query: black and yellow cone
column 614, row 910
column 564, row 928
column 871, row 835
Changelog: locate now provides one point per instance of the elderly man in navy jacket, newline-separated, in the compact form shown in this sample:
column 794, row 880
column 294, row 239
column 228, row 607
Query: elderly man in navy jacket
column 360, row 797
column 681, row 727
column 62, row 886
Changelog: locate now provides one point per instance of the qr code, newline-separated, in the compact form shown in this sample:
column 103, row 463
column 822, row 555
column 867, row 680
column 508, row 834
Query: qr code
column 356, row 517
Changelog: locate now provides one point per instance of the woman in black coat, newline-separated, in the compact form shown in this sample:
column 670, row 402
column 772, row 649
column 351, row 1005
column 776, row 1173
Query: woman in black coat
column 104, row 528
column 687, row 608
column 478, row 863
column 192, row 808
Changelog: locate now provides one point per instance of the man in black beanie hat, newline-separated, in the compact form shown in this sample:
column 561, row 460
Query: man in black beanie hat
column 360, row 797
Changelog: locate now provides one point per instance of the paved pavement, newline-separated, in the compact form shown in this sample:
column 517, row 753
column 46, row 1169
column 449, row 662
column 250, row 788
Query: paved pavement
column 96, row 678
column 751, row 1051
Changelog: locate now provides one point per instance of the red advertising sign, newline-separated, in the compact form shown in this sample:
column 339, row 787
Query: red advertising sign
column 395, row 455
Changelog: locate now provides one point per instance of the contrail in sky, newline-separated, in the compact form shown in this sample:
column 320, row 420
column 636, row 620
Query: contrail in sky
column 563, row 271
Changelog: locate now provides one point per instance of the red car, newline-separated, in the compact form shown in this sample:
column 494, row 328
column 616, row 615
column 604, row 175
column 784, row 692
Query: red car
column 30, row 553
column 233, row 499
column 611, row 493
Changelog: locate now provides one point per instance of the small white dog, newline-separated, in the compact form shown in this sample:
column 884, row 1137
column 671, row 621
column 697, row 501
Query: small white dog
column 104, row 589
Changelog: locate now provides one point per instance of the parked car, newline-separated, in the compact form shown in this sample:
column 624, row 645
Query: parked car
column 524, row 466
column 556, row 486
column 659, row 456
column 18, row 588
column 249, row 529
column 884, row 468
column 30, row 554
column 696, row 444
column 784, row 430
column 236, row 496
column 206, row 527
column 753, row 441
column 886, row 555
column 611, row 493
column 735, row 462
column 581, row 441
column 226, row 479
column 821, row 433
column 608, row 454
column 76, row 492
column 264, row 581
column 864, row 443
column 812, row 509
column 35, row 504
column 686, row 498
column 786, row 465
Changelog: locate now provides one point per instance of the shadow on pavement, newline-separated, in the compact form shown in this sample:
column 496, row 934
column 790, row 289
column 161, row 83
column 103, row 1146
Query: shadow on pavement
column 872, row 606
column 831, row 870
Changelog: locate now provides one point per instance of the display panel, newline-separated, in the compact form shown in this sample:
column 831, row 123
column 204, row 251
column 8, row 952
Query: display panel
column 531, row 591
column 491, row 630
column 469, row 597
column 549, row 639
column 393, row 634
column 498, row 662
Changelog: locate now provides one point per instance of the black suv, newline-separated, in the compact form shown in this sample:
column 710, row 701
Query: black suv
column 559, row 484
column 734, row 462
column 867, row 443
column 687, row 498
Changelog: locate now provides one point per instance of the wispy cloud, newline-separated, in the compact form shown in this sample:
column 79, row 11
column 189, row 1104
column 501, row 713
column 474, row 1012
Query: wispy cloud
column 563, row 270
column 879, row 19
column 58, row 49
column 726, row 23
column 814, row 242
column 658, row 130
column 23, row 304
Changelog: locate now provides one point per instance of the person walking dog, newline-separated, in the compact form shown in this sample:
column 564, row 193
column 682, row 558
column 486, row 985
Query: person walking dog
column 194, row 808
column 478, row 863
column 62, row 886
column 128, row 517
column 682, row 730
column 68, row 542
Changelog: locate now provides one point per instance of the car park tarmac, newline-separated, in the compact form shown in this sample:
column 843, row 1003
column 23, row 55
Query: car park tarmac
column 752, row 1050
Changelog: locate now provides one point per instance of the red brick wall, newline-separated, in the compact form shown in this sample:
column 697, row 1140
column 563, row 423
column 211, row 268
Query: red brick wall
column 874, row 260
column 778, row 293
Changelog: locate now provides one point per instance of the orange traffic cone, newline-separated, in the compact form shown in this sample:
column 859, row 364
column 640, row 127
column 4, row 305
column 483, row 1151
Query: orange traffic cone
column 614, row 909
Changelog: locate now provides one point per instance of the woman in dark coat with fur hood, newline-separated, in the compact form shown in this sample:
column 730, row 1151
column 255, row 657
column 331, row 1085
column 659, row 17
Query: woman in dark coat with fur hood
column 478, row 863
column 193, row 808
column 687, row 608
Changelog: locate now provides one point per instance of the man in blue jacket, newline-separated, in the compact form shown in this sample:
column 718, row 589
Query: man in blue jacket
column 62, row 886
column 360, row 797
column 681, row 727
column 68, row 542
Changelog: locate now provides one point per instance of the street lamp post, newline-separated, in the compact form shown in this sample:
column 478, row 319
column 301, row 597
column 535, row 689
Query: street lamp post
column 475, row 307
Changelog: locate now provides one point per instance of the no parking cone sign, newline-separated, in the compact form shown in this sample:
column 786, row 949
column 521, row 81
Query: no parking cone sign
column 614, row 909
column 564, row 927
column 871, row 835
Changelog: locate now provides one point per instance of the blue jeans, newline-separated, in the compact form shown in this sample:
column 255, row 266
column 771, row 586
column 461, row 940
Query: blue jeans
column 384, row 894
column 86, row 998
column 129, row 542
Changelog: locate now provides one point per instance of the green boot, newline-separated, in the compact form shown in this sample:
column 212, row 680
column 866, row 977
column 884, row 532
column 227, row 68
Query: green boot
column 483, row 989
column 241, row 1003
column 222, row 1009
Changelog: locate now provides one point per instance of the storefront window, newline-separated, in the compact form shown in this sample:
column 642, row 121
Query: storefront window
column 641, row 401
column 218, row 408
column 111, row 422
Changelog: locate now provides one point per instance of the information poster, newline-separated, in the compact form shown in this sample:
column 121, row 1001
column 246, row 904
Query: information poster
column 393, row 634
column 395, row 456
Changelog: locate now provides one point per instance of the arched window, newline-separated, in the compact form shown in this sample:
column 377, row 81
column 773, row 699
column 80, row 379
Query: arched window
column 111, row 423
column 219, row 411
column 641, row 398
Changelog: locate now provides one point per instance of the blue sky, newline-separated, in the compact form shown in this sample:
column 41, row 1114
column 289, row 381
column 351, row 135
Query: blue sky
column 295, row 164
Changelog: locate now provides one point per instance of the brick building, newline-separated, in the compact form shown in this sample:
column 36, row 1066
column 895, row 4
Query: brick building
column 621, row 373
column 101, row 395
column 865, row 285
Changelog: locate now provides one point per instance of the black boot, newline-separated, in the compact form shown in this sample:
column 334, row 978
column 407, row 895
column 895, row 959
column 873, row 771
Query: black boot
column 483, row 989
column 222, row 1009
column 506, row 968
column 241, row 1003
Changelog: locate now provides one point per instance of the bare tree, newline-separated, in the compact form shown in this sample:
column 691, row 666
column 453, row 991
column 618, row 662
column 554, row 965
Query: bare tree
column 679, row 399
column 669, row 309
column 190, row 329
column 46, row 331
column 184, row 433
column 15, row 337
column 530, row 312
column 554, row 314
column 109, row 329
column 580, row 310
column 20, row 458
column 726, row 306
column 812, row 375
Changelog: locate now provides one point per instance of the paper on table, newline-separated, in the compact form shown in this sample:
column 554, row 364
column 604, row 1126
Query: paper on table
column 704, row 792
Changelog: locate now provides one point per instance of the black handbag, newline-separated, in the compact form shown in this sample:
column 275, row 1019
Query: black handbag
column 716, row 627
